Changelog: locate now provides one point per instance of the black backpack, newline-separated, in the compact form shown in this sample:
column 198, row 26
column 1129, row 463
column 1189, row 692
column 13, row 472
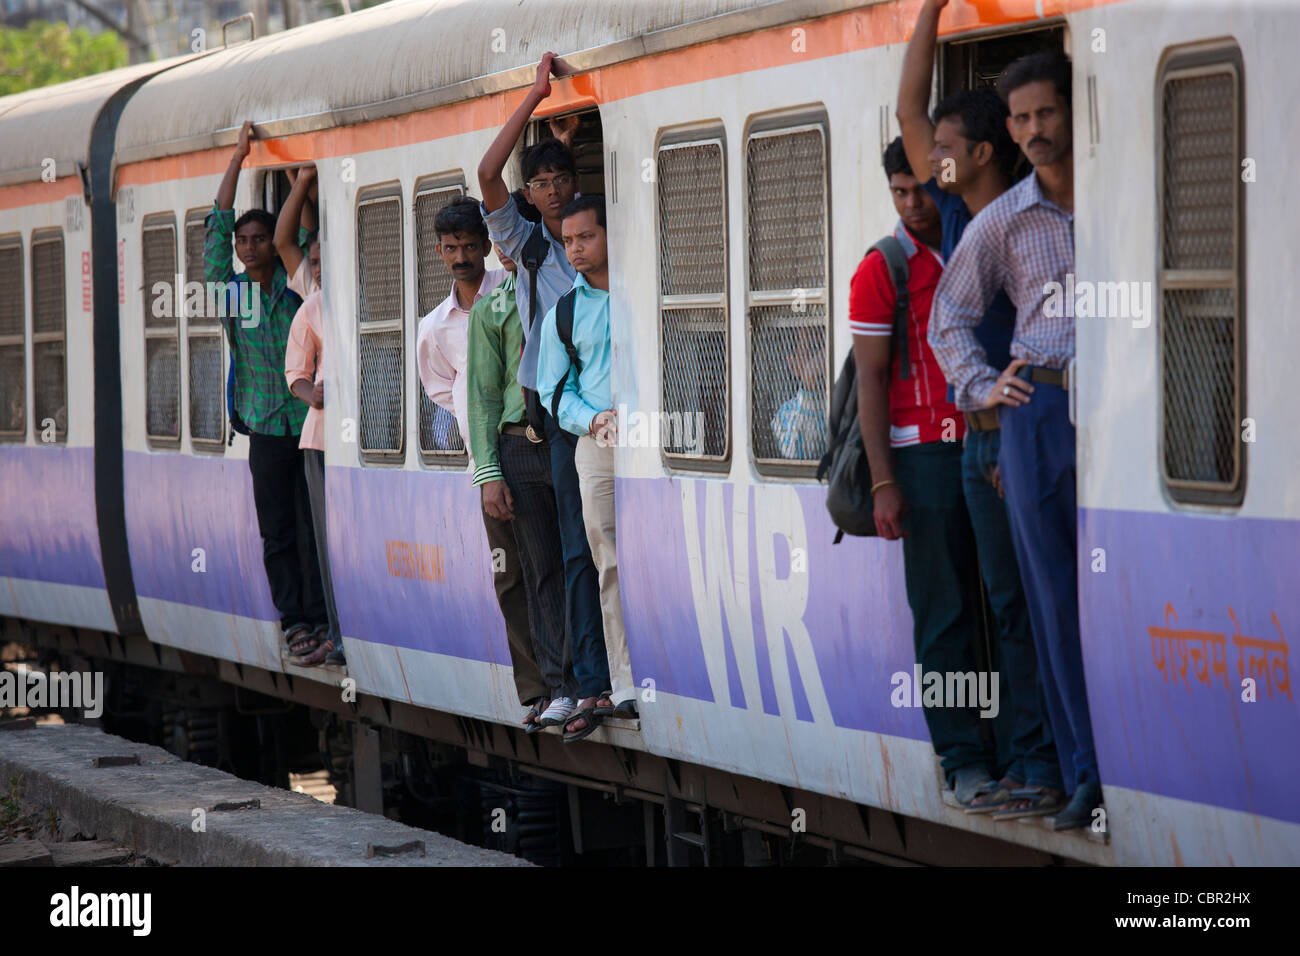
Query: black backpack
column 534, row 253
column 564, row 329
column 844, row 466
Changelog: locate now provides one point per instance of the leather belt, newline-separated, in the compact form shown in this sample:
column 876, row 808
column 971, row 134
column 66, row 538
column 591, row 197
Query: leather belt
column 1047, row 376
column 523, row 430
column 984, row 420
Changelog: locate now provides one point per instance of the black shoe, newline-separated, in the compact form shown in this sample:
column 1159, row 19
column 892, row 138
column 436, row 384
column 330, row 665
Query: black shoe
column 1078, row 812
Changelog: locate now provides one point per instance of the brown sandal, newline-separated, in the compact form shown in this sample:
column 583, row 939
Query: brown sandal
column 590, row 719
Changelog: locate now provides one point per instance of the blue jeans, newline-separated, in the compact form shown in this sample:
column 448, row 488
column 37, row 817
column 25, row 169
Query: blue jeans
column 1038, row 474
column 586, row 639
column 1023, row 733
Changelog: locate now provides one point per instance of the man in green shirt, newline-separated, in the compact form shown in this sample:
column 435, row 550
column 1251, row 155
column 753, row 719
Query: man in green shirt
column 518, row 496
column 262, row 400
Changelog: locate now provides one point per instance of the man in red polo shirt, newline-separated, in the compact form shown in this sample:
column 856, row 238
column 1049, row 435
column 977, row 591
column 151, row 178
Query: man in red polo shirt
column 912, row 435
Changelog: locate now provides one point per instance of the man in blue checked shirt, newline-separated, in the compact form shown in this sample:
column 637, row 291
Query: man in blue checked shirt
column 1022, row 242
column 585, row 408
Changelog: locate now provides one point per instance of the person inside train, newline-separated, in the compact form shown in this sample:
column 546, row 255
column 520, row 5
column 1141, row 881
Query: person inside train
column 304, row 371
column 970, row 155
column 550, row 182
column 799, row 425
column 518, row 495
column 442, row 347
column 273, row 416
column 910, row 432
column 297, row 220
column 573, row 380
column 1023, row 242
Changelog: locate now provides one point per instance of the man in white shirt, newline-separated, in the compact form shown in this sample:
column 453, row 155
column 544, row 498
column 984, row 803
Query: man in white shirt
column 441, row 347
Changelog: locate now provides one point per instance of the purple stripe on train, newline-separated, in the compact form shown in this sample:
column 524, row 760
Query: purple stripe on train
column 831, row 619
column 411, row 561
column 192, row 532
column 1187, row 608
column 48, row 527
column 411, row 564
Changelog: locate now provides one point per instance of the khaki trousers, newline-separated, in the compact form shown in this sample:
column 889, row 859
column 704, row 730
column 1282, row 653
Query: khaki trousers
column 596, row 481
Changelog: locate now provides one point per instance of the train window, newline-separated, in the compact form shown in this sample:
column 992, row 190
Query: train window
column 440, row 439
column 13, row 341
column 380, row 325
column 49, row 336
column 787, row 300
column 161, row 332
column 694, row 344
column 203, row 340
column 1202, row 367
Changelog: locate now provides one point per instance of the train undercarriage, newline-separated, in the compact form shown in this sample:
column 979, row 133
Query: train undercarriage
column 480, row 782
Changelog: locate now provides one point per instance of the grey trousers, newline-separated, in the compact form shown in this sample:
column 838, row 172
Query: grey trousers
column 313, row 466
column 513, row 599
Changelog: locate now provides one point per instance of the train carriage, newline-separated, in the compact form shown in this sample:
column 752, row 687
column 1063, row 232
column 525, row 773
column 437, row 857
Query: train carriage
column 738, row 147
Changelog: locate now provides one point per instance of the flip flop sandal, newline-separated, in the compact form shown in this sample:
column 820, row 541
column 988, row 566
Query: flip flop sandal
column 301, row 641
column 1042, row 803
column 992, row 796
column 532, row 720
column 604, row 706
column 592, row 721
column 626, row 711
column 323, row 650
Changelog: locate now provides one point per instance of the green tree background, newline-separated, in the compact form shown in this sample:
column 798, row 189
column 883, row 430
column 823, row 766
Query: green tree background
column 45, row 53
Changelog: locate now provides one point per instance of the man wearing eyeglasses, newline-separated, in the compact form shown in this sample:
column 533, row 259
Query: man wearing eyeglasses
column 550, row 182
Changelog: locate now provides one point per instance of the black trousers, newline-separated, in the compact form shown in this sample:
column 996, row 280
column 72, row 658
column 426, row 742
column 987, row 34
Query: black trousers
column 284, row 521
column 527, row 470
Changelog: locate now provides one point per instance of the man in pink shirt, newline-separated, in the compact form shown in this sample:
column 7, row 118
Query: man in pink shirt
column 298, row 219
column 441, row 347
column 442, row 342
column 302, row 368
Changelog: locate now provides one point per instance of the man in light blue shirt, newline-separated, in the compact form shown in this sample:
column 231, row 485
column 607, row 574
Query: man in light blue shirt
column 577, row 391
column 586, row 392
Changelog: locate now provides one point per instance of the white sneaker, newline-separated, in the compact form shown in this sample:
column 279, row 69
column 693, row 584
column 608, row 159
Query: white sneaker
column 558, row 712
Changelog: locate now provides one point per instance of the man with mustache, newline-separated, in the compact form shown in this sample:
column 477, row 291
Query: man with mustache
column 442, row 345
column 1022, row 242
column 970, row 155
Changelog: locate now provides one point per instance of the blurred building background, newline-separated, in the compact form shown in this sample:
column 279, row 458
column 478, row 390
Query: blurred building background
column 156, row 29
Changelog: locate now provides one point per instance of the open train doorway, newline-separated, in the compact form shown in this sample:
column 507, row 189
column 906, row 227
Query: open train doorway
column 587, row 143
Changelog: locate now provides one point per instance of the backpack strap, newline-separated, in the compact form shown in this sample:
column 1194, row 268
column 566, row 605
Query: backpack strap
column 534, row 253
column 564, row 329
column 900, row 273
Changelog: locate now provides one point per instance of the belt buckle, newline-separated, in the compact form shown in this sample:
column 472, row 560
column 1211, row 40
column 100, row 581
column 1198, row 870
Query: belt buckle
column 532, row 435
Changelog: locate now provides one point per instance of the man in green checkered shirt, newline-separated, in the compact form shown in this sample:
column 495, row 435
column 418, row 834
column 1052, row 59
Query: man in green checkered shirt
column 258, row 331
